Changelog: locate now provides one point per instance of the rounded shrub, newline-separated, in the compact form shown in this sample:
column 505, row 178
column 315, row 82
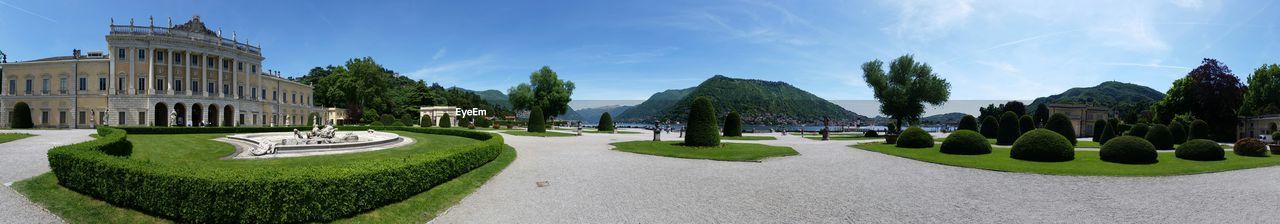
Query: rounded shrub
column 377, row 123
column 733, row 125
column 606, row 122
column 990, row 127
column 1275, row 138
column 1198, row 130
column 1250, row 147
column 1123, row 129
column 426, row 121
column 388, row 119
column 20, row 117
column 1160, row 137
column 1108, row 133
column 537, row 122
column 445, row 122
column 1178, row 132
column 1025, row 124
column 1200, row 150
column 965, row 142
column 870, row 133
column 701, row 129
column 407, row 120
column 893, row 129
column 1009, row 129
column 915, row 137
column 1138, row 130
column 1061, row 124
column 398, row 124
column 1128, row 150
column 968, row 122
column 1042, row 145
column 1098, row 126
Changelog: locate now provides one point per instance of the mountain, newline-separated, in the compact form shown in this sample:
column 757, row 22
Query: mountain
column 571, row 115
column 1123, row 97
column 495, row 97
column 655, row 105
column 758, row 101
column 592, row 115
column 947, row 118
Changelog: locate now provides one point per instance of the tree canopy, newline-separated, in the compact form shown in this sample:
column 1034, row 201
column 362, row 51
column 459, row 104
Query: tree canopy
column 364, row 85
column 1209, row 92
column 1263, row 96
column 545, row 90
column 906, row 88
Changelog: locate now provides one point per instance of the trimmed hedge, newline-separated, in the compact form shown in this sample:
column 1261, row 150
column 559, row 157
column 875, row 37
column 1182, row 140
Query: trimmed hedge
column 1138, row 130
column 445, row 121
column 1042, row 145
column 20, row 117
column 1128, row 150
column 1160, row 137
column 733, row 125
column 537, row 122
column 606, row 123
column 1061, row 124
column 1178, row 131
column 915, row 137
column 1025, row 124
column 990, row 127
column 1200, row 150
column 301, row 194
column 1009, row 129
column 1198, row 130
column 1098, row 126
column 870, row 133
column 968, row 122
column 426, row 121
column 965, row 142
column 702, row 127
column 1250, row 147
column 1108, row 133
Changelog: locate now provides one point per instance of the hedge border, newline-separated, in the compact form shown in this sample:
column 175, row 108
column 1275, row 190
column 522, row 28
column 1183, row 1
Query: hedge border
column 99, row 168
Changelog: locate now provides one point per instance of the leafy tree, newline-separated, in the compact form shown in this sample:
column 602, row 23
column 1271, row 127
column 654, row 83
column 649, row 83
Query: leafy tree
column 701, row 129
column 1016, row 107
column 968, row 122
column 1061, row 124
column 990, row 127
column 536, row 124
column 904, row 90
column 545, row 90
column 369, row 116
column 388, row 119
column 1025, row 124
column 990, row 111
column 445, row 122
column 1009, row 129
column 20, row 117
column 1263, row 95
column 1199, row 130
column 732, row 125
column 1098, row 126
column 1210, row 92
column 1042, row 116
column 606, row 122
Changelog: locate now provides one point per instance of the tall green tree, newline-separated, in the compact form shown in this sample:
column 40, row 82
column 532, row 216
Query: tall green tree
column 733, row 125
column 1209, row 92
column 1263, row 95
column 545, row 90
column 906, row 88
column 702, row 128
column 1017, row 107
column 1042, row 115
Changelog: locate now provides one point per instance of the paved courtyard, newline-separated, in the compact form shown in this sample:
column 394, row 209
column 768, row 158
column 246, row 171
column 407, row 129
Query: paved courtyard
column 27, row 158
column 832, row 183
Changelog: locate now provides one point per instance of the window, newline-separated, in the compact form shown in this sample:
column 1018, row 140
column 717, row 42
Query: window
column 13, row 84
column 120, row 54
column 240, row 91
column 142, row 83
column 226, row 65
column 253, row 93
column 177, row 60
column 62, row 117
column 44, row 117
column 208, row 62
column 83, row 83
column 274, row 94
column 120, row 84
column 195, row 86
column 264, row 94
column 159, row 84
column 177, row 85
column 62, row 85
column 81, row 116
column 28, row 86
column 226, row 90
column 142, row 53
column 120, row 118
column 45, row 84
column 254, row 69
column 160, row 58
column 102, row 83
column 142, row 118
column 240, row 66
column 195, row 60
column 210, row 88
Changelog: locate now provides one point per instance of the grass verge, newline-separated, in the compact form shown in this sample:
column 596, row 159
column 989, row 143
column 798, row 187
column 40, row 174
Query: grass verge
column 9, row 137
column 724, row 152
column 1086, row 163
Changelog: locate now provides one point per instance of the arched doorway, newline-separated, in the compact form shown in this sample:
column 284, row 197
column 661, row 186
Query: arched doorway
column 1273, row 128
column 197, row 115
column 213, row 115
column 181, row 114
column 161, row 115
column 228, row 115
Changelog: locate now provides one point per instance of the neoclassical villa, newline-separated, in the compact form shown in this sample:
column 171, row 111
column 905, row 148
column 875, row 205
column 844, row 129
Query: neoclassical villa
column 178, row 75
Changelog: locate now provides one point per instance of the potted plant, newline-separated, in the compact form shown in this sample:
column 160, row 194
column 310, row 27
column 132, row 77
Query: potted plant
column 891, row 135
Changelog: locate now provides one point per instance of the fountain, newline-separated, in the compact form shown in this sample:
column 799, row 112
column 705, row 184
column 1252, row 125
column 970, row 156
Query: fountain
column 318, row 141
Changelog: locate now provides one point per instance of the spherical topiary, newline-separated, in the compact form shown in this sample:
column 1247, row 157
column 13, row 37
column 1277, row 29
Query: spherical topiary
column 1200, row 150
column 1198, row 130
column 397, row 123
column 537, row 122
column 1042, row 145
column 1160, row 137
column 21, row 116
column 733, row 125
column 1098, row 126
column 376, row 123
column 1025, row 124
column 1061, row 124
column 702, row 129
column 1250, row 147
column 445, row 122
column 1108, row 133
column 1009, row 129
column 870, row 133
column 387, row 119
column 968, row 122
column 990, row 127
column 606, row 122
column 965, row 142
column 1138, row 130
column 426, row 121
column 1178, row 132
column 1128, row 150
column 915, row 137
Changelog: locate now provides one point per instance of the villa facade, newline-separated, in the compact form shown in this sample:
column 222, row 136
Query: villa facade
column 1259, row 126
column 1082, row 116
column 179, row 75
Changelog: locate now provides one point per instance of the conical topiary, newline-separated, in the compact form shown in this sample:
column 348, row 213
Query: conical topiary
column 606, row 122
column 1061, row 124
column 968, row 122
column 702, row 129
column 537, row 123
column 990, row 127
column 1025, row 124
column 445, row 122
column 733, row 125
column 1009, row 129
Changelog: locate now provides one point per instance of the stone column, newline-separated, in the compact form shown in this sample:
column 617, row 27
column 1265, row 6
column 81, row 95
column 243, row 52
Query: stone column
column 218, row 87
column 187, row 56
column 132, row 82
column 151, row 73
column 168, row 82
column 204, row 74
column 235, row 81
column 111, row 71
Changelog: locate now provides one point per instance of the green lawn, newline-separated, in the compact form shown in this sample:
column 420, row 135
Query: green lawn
column 724, row 152
column 536, row 134
column 748, row 137
column 1086, row 163
column 200, row 150
column 9, row 137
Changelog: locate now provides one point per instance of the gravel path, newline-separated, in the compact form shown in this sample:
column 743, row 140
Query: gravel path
column 27, row 158
column 832, row 183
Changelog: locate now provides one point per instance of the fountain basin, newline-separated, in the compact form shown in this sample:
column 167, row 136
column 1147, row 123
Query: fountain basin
column 287, row 144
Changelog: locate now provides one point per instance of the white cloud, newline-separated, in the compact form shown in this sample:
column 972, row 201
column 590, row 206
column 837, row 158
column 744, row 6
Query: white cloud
column 439, row 54
column 450, row 72
column 1189, row 4
column 924, row 20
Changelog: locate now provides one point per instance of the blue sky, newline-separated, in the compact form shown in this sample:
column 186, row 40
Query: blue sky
column 627, row 50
